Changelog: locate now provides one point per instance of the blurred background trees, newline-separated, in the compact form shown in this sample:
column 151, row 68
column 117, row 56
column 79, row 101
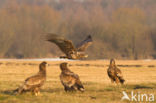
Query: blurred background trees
column 120, row 29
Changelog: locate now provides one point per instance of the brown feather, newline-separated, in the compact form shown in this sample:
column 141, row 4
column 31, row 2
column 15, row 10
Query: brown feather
column 34, row 83
column 84, row 44
column 65, row 45
column 115, row 73
column 68, row 48
column 70, row 80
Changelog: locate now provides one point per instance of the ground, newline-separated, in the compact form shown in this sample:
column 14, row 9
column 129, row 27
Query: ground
column 140, row 78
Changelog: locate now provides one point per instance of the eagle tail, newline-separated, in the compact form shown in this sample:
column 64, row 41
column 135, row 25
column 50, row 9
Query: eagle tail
column 121, row 80
column 18, row 90
column 80, row 86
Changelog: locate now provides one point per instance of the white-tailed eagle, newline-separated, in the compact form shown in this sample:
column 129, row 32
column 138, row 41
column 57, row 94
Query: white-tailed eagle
column 70, row 80
column 115, row 73
column 35, row 82
column 67, row 47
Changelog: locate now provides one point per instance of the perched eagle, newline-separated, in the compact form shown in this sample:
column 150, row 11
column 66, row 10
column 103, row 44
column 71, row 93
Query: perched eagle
column 114, row 73
column 68, row 48
column 35, row 82
column 70, row 80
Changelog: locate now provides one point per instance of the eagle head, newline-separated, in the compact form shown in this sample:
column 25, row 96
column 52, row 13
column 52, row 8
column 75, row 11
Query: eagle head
column 112, row 62
column 63, row 66
column 42, row 66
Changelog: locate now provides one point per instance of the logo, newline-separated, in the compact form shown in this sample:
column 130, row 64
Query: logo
column 138, row 97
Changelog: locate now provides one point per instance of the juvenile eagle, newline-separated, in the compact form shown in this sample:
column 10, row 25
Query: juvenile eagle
column 114, row 73
column 35, row 82
column 70, row 80
column 68, row 48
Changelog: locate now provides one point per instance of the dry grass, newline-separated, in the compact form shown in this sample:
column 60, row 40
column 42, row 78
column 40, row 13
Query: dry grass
column 140, row 76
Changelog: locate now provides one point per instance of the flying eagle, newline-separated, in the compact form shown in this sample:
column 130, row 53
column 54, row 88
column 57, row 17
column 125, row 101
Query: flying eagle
column 70, row 80
column 67, row 47
column 35, row 82
column 114, row 73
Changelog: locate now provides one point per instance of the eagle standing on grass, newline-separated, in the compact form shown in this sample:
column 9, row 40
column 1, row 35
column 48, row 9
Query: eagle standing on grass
column 68, row 48
column 35, row 82
column 70, row 80
column 114, row 73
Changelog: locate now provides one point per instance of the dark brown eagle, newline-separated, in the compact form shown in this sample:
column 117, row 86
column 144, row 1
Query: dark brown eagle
column 68, row 48
column 114, row 73
column 35, row 82
column 70, row 80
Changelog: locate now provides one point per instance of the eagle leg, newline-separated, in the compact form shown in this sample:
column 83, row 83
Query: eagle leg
column 72, row 89
column 112, row 80
column 117, row 80
column 69, row 89
column 66, row 88
column 36, row 91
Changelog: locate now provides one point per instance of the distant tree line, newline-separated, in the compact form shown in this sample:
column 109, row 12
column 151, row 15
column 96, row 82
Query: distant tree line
column 120, row 29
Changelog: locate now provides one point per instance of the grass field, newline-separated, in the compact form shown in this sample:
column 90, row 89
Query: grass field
column 140, row 78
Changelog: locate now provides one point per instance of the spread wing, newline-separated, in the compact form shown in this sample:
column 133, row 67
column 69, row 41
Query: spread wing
column 66, row 46
column 85, row 44
column 34, row 80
